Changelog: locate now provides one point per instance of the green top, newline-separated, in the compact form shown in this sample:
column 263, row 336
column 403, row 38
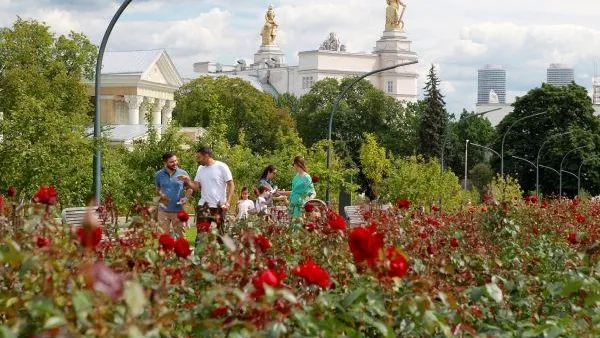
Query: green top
column 302, row 190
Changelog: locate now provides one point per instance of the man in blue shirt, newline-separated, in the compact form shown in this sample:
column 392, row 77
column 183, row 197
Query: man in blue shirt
column 172, row 194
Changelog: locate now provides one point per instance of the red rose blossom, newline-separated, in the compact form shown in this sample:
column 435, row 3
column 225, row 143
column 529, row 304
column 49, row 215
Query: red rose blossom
column 315, row 178
column 313, row 273
column 531, row 199
column 335, row 221
column 454, row 242
column 1, row 204
column 46, row 195
column 42, row 242
column 167, row 243
column 183, row 216
column 403, row 203
column 203, row 226
column 309, row 207
column 435, row 208
column 89, row 236
column 365, row 244
column 544, row 204
column 579, row 217
column 12, row 191
column 218, row 312
column 573, row 238
column 262, row 242
column 182, row 248
column 268, row 277
column 398, row 264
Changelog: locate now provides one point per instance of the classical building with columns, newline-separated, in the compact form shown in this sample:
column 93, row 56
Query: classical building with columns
column 331, row 59
column 137, row 88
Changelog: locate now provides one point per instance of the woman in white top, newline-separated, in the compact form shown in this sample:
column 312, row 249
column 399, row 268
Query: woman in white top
column 244, row 205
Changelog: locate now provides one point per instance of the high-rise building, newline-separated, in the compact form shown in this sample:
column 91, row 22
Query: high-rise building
column 491, row 82
column 596, row 90
column 560, row 75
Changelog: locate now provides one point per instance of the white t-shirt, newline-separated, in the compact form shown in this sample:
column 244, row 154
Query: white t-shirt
column 243, row 206
column 261, row 204
column 213, row 183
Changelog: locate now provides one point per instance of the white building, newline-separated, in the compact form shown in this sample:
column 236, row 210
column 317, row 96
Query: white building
column 491, row 78
column 559, row 75
column 330, row 60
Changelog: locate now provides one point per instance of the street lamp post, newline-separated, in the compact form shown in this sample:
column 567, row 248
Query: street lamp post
column 506, row 133
column 335, row 107
column 537, row 169
column 561, row 165
column 579, row 172
column 484, row 147
column 97, row 173
column 466, row 160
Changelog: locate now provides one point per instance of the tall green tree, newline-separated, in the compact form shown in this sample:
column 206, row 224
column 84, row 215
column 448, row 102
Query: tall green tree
column 45, row 108
column 241, row 107
column 568, row 109
column 433, row 131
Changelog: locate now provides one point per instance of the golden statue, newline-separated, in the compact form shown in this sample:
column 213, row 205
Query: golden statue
column 269, row 31
column 393, row 15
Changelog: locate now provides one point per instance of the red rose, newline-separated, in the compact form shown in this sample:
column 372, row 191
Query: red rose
column 573, row 238
column 218, row 312
column 268, row 277
column 398, row 264
column 176, row 276
column 403, row 203
column 89, row 236
column 312, row 273
column 454, row 242
column 262, row 242
column 579, row 217
column 435, row 208
column 203, row 226
column 309, row 207
column 45, row 195
column 531, row 199
column 423, row 234
column 544, row 204
column 315, row 178
column 335, row 221
column 183, row 216
column 182, row 248
column 42, row 242
column 310, row 226
column 365, row 244
column 1, row 204
column 12, row 191
column 167, row 243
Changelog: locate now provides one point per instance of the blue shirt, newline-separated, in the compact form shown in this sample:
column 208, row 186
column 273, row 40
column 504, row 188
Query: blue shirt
column 171, row 187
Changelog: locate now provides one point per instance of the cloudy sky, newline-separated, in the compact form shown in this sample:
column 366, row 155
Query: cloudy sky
column 458, row 36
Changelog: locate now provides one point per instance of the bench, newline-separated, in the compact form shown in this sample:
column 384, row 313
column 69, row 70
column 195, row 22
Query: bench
column 75, row 216
column 353, row 215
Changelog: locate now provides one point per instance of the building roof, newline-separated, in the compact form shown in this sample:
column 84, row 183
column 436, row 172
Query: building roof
column 129, row 62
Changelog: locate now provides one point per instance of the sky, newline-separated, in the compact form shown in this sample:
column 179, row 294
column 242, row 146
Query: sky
column 458, row 37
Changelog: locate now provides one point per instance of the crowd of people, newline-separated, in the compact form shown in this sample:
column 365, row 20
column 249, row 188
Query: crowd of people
column 174, row 186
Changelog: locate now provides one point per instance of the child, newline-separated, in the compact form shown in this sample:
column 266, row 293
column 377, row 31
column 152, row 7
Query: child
column 244, row 204
column 261, row 202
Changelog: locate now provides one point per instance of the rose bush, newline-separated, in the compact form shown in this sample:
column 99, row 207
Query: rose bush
column 519, row 268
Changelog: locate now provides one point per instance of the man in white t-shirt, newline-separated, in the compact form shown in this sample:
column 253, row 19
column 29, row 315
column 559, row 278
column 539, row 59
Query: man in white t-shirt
column 215, row 182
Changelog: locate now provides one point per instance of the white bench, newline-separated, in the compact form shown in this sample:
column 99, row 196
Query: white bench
column 75, row 216
column 353, row 215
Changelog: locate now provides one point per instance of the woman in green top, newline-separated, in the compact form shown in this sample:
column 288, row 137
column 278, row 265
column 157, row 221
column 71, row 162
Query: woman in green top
column 302, row 187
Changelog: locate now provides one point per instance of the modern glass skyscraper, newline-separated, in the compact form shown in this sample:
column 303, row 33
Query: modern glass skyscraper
column 491, row 78
column 560, row 75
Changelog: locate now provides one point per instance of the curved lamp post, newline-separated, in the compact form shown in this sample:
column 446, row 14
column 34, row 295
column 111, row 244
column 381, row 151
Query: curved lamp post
column 484, row 147
column 537, row 169
column 579, row 172
column 506, row 133
column 524, row 160
column 97, row 180
column 335, row 107
column 561, row 165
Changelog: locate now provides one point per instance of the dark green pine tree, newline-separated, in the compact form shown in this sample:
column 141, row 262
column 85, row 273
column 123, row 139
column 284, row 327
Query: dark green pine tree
column 434, row 119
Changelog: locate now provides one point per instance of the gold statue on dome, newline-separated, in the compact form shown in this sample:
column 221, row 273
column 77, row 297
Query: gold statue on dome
column 393, row 15
column 269, row 31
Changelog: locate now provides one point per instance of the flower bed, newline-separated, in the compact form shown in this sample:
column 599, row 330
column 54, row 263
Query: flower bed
column 527, row 269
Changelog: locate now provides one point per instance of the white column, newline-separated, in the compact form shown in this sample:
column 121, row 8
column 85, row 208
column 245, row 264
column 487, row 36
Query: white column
column 156, row 111
column 167, row 113
column 133, row 102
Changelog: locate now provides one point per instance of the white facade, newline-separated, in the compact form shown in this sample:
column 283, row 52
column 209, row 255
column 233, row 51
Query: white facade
column 269, row 67
column 491, row 77
column 559, row 75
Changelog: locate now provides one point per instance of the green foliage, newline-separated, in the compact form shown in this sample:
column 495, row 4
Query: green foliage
column 421, row 182
column 373, row 160
column 567, row 108
column 434, row 118
column 481, row 175
column 236, row 103
column 506, row 189
column 45, row 109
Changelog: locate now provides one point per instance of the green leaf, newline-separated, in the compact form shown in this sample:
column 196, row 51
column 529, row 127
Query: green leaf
column 54, row 321
column 571, row 286
column 555, row 332
column 135, row 298
column 494, row 292
column 475, row 294
column 381, row 327
column 353, row 297
column 5, row 332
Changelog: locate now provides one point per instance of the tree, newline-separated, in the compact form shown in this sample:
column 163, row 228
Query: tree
column 568, row 109
column 476, row 129
column 45, row 109
column 434, row 119
column 481, row 176
column 236, row 103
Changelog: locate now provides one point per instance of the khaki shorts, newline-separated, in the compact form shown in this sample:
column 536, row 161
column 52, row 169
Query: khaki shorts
column 166, row 220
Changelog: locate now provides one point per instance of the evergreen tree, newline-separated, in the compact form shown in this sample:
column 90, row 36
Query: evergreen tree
column 434, row 119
